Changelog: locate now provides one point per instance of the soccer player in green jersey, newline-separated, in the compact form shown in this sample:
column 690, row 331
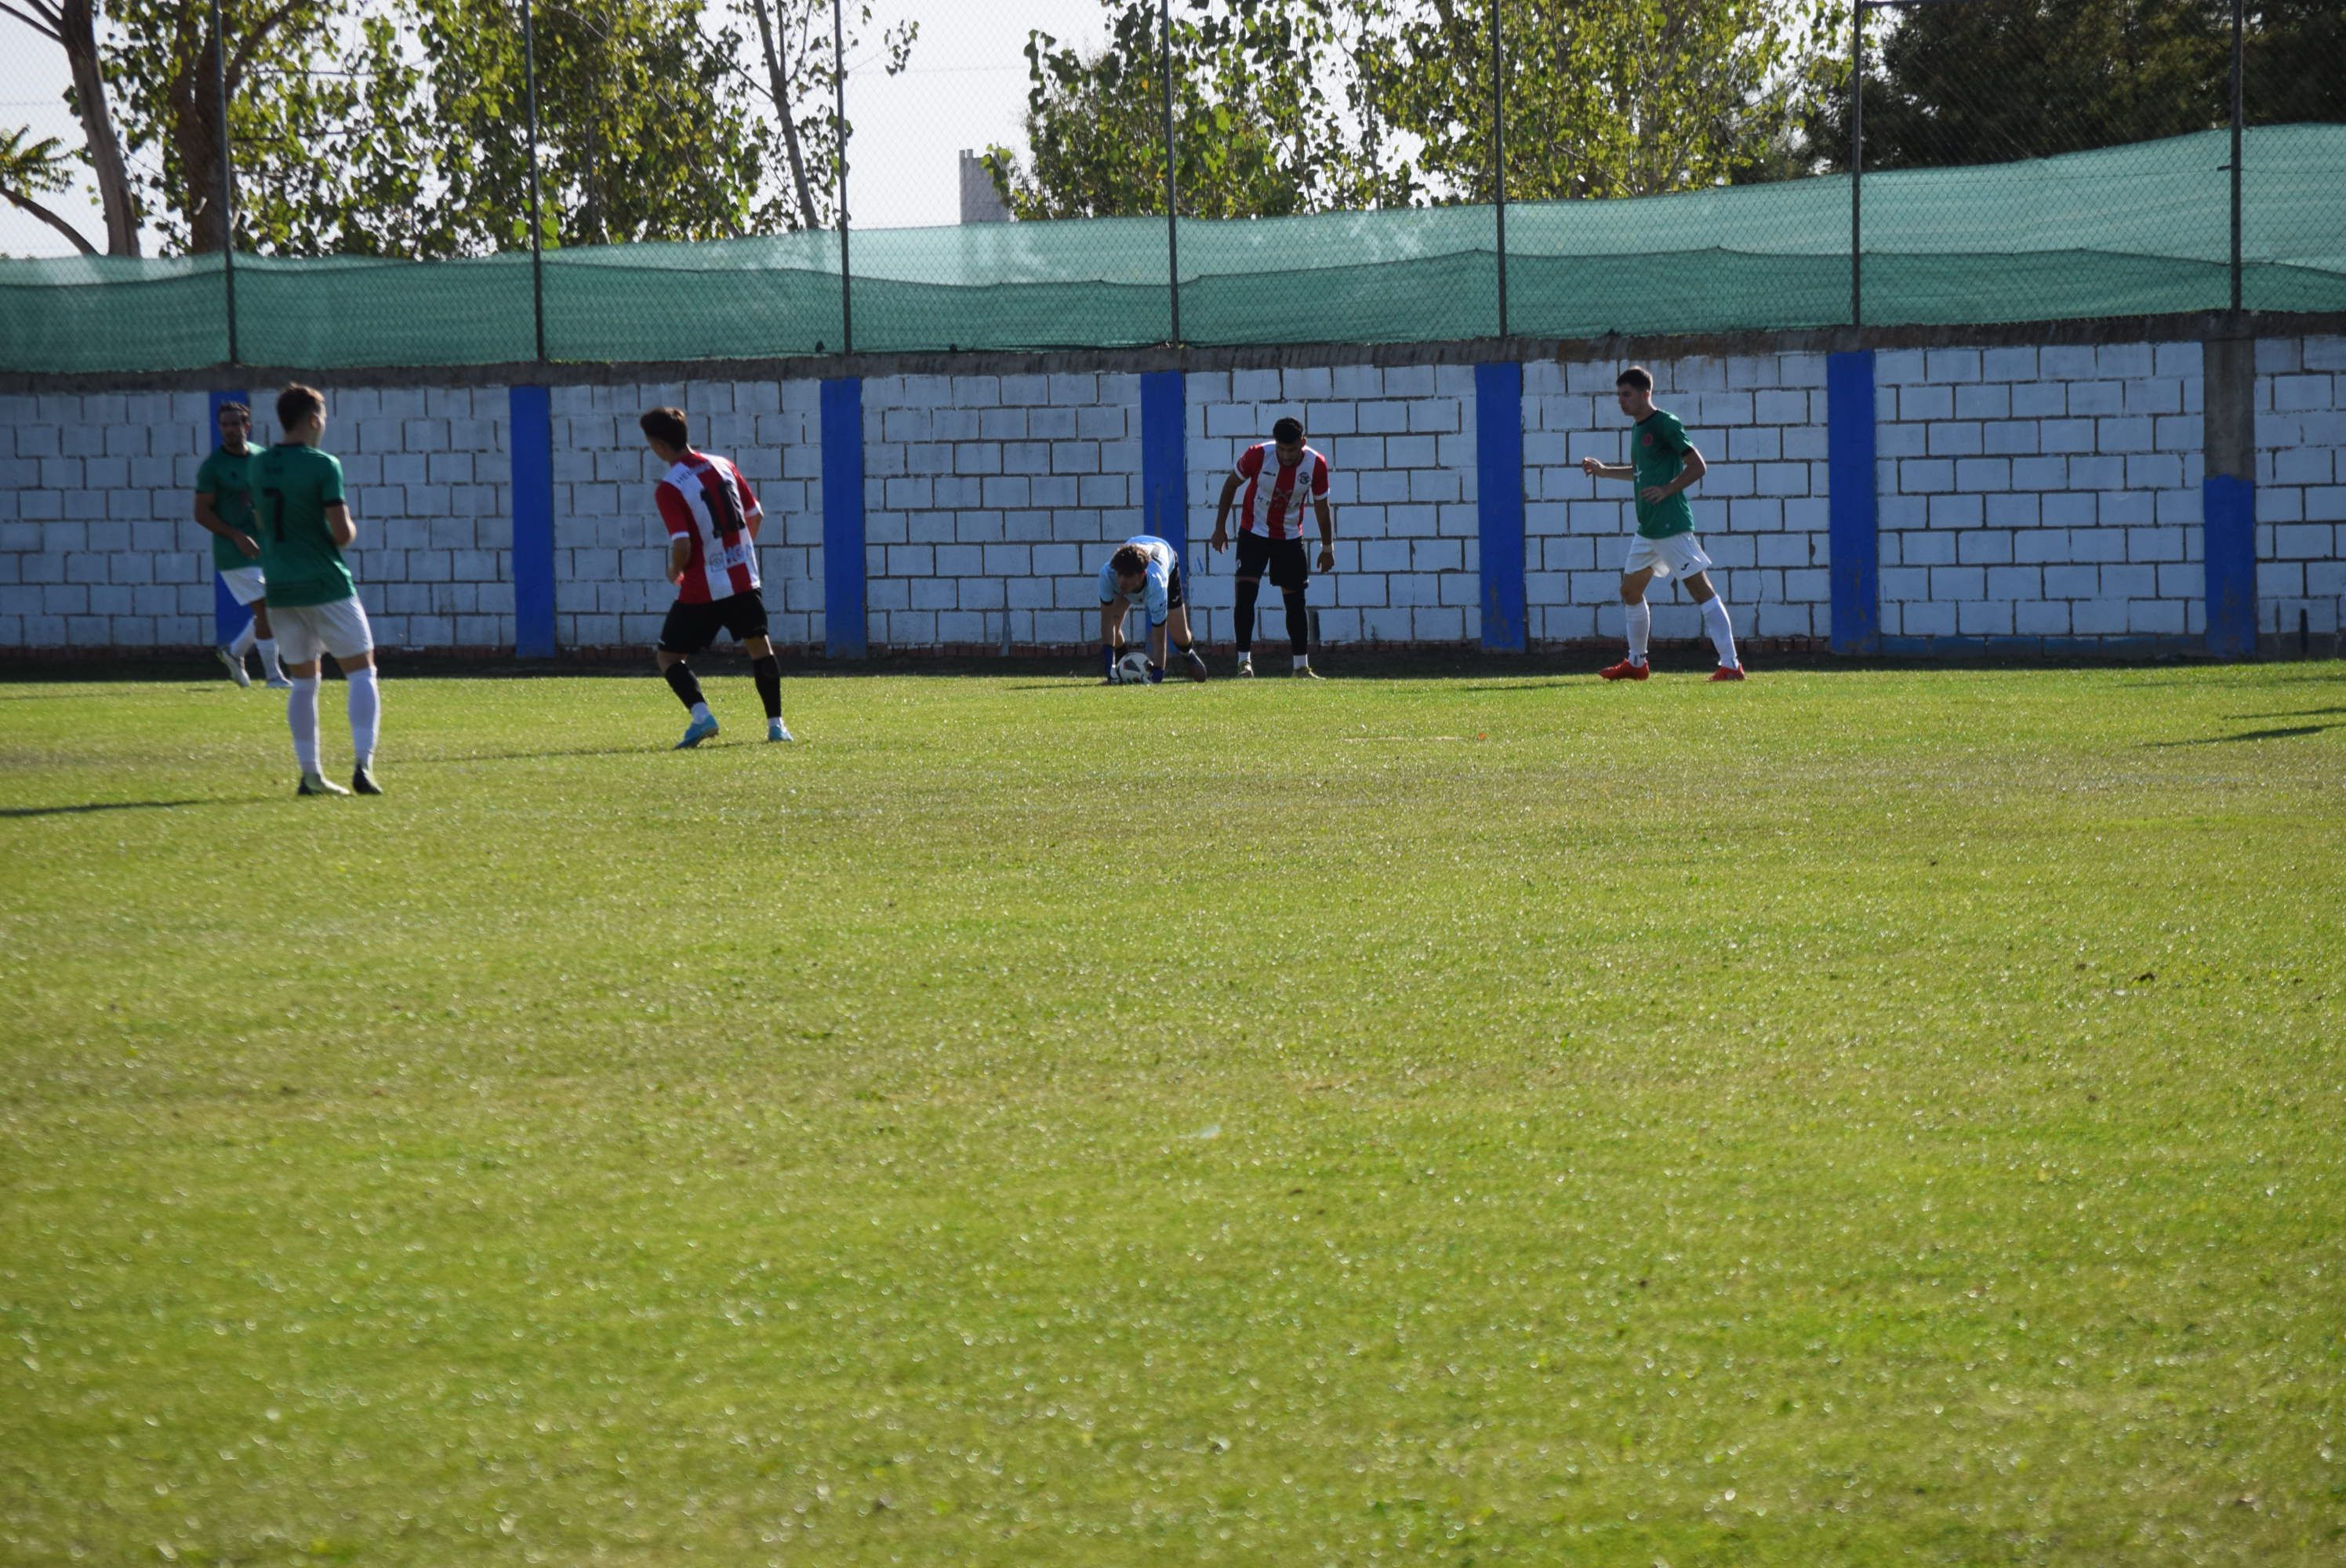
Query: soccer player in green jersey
column 224, row 508
column 1663, row 463
column 305, row 526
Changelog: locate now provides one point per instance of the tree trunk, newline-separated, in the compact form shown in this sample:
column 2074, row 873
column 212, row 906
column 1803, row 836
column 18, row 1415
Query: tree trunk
column 78, row 32
column 779, row 80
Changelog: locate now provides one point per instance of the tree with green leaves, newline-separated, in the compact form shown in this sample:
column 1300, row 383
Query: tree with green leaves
column 72, row 26
column 401, row 129
column 1987, row 81
column 1339, row 103
column 1257, row 130
column 798, row 87
column 31, row 169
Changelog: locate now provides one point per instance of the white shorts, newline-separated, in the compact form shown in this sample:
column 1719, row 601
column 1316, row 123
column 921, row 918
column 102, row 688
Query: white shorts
column 245, row 585
column 1681, row 553
column 303, row 631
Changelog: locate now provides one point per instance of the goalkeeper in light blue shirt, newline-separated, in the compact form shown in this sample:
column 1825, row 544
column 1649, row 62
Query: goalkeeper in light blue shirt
column 1146, row 571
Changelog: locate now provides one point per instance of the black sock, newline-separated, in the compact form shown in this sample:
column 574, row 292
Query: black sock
column 767, row 673
column 1244, row 613
column 1299, row 623
column 684, row 683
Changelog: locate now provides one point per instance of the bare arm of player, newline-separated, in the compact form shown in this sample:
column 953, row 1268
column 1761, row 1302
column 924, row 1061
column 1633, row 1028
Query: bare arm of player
column 1222, row 539
column 1327, row 534
column 1157, row 635
column 208, row 514
column 679, row 556
column 1695, row 469
column 340, row 527
column 1597, row 470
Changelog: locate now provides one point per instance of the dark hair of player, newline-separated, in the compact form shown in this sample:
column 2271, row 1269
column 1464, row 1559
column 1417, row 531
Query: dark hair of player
column 1635, row 376
column 297, row 403
column 1290, row 429
column 1129, row 560
column 237, row 409
column 668, row 426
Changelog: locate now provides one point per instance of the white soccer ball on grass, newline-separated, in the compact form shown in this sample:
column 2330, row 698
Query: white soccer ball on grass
column 1132, row 669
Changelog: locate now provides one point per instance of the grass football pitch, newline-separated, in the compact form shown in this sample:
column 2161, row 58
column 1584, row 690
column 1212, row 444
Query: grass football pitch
column 1860, row 1116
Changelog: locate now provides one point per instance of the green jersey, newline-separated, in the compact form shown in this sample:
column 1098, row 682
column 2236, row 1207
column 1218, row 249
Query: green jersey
column 1657, row 449
column 295, row 484
column 227, row 477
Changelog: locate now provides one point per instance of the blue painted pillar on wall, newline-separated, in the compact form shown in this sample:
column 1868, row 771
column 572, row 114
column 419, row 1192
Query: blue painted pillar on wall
column 1164, row 454
column 1499, row 503
column 530, row 443
column 228, row 616
column 1852, row 530
column 845, row 626
column 2229, row 536
column 2227, row 495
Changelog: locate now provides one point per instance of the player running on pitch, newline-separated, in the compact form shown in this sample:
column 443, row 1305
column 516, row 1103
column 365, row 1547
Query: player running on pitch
column 1663, row 465
column 1146, row 571
column 1272, row 538
column 305, row 526
column 712, row 518
column 224, row 508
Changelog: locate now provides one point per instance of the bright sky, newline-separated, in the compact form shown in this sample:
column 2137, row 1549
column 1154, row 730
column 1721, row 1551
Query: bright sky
column 967, row 88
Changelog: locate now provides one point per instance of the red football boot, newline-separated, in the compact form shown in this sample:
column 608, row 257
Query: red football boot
column 1624, row 670
column 1728, row 672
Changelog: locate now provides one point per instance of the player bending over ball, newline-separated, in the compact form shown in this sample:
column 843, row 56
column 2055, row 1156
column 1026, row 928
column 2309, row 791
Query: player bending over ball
column 224, row 507
column 1271, row 538
column 1146, row 571
column 1663, row 465
column 305, row 526
column 712, row 518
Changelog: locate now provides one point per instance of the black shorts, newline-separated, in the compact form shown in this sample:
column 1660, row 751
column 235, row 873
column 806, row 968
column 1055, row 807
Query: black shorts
column 692, row 627
column 1281, row 560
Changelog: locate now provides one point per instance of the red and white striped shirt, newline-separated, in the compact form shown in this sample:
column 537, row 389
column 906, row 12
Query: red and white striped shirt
column 705, row 499
column 1284, row 505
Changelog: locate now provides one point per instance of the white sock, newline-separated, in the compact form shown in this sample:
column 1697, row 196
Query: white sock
column 1640, row 619
column 1722, row 633
column 366, row 713
column 269, row 668
column 241, row 643
column 1302, row 661
column 302, row 717
column 700, row 713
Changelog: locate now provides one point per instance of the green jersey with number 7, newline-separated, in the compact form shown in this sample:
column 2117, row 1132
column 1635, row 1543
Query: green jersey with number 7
column 292, row 485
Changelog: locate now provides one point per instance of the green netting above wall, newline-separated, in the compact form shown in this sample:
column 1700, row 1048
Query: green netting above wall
column 2137, row 230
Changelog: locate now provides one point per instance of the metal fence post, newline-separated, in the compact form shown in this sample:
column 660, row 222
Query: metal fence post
column 536, row 208
column 228, row 180
column 1499, row 153
column 839, row 101
column 1172, row 224
column 2238, row 115
column 1857, row 165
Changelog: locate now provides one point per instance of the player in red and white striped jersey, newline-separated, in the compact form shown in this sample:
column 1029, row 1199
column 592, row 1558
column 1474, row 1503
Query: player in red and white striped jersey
column 712, row 518
column 1278, row 475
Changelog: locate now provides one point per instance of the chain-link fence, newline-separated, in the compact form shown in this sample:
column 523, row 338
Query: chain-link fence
column 611, row 180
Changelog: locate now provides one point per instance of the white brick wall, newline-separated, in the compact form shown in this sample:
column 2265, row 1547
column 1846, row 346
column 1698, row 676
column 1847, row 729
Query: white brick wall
column 609, row 547
column 2043, row 493
column 2049, row 493
column 1760, row 511
column 2300, row 484
column 988, row 503
column 1400, row 442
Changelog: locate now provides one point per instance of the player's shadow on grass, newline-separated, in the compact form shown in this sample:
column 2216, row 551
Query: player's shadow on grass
column 2298, row 713
column 2290, row 733
column 109, row 806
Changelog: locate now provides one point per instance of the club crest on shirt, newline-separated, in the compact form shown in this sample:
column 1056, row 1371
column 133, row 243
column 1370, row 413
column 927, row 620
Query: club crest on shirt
column 1647, row 439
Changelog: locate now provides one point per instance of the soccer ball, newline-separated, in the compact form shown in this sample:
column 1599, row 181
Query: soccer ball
column 1132, row 669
